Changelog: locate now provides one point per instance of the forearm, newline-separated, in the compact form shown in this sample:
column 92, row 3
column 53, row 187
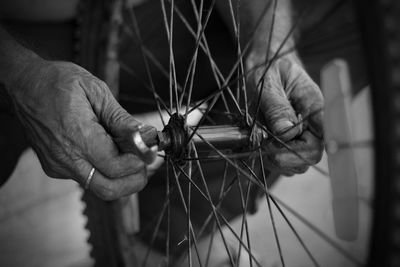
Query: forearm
column 14, row 59
column 259, row 15
column 272, row 27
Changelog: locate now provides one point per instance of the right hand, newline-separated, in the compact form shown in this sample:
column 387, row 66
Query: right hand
column 71, row 119
column 287, row 93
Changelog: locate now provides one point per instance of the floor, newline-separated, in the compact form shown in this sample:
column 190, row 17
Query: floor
column 41, row 222
column 40, row 219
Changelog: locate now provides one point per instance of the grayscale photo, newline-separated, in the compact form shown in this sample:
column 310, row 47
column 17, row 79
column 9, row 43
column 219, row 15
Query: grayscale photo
column 199, row 133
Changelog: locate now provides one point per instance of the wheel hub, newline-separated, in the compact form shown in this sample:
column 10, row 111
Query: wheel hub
column 174, row 138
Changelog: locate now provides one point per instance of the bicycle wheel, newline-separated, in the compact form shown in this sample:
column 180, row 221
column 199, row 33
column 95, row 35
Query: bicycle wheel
column 197, row 209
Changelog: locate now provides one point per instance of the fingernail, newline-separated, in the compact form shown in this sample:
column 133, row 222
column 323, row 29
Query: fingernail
column 282, row 125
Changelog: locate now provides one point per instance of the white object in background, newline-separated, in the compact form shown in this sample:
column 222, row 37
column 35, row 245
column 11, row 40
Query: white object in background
column 130, row 209
column 336, row 86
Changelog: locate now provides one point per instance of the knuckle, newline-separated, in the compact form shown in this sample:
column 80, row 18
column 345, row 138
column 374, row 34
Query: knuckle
column 112, row 169
column 108, row 195
column 118, row 115
column 316, row 154
column 279, row 115
column 50, row 170
column 141, row 183
column 279, row 111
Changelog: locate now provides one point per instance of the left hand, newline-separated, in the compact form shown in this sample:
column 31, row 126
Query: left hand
column 288, row 92
column 72, row 121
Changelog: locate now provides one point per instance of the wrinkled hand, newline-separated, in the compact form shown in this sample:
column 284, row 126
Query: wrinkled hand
column 288, row 92
column 71, row 119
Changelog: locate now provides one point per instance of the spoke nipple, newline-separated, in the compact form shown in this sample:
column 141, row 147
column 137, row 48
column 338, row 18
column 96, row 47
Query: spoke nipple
column 182, row 241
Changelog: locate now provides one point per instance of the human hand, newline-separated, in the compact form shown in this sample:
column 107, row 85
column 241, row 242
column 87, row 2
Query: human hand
column 71, row 119
column 291, row 105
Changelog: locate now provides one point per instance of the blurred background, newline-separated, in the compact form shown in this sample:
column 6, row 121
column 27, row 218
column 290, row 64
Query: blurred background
column 41, row 223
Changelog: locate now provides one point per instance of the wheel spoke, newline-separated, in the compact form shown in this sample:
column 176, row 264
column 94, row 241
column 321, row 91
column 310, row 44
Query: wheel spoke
column 173, row 89
column 152, row 58
column 271, row 29
column 241, row 82
column 135, row 26
column 218, row 76
column 155, row 233
column 204, row 46
column 191, row 230
column 224, row 84
column 155, row 95
column 249, row 71
column 255, row 180
column 218, row 214
column 167, row 249
column 210, row 244
column 221, row 192
column 271, row 214
column 188, row 215
column 320, row 233
column 282, row 213
column 208, row 197
column 229, row 161
column 268, row 63
column 289, row 148
column 306, row 222
column 193, row 64
column 217, row 206
column 205, row 115
column 244, row 224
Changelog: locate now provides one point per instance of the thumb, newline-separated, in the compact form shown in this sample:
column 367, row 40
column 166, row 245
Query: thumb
column 278, row 113
column 130, row 135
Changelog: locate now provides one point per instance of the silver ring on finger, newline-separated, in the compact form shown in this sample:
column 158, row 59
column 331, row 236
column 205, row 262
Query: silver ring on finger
column 89, row 178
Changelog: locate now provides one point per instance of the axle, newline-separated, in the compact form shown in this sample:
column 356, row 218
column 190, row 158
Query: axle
column 174, row 138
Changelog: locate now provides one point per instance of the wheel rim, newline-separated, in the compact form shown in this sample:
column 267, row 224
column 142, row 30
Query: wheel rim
column 179, row 94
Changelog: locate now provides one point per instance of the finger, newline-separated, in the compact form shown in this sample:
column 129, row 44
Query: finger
column 300, row 170
column 278, row 113
column 152, row 168
column 102, row 152
column 125, row 128
column 306, row 98
column 304, row 151
column 111, row 189
column 116, row 120
column 287, row 173
column 133, row 141
column 309, row 103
